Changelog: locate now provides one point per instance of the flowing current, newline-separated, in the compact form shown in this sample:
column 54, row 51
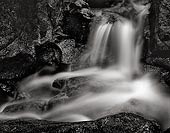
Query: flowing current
column 115, row 82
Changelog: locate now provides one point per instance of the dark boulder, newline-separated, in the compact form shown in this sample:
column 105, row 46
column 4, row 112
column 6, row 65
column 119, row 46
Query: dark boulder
column 76, row 21
column 48, row 54
column 14, row 69
column 119, row 123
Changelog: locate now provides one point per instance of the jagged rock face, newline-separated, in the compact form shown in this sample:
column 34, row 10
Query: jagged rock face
column 18, row 27
column 74, row 25
column 27, row 30
column 76, row 20
column 26, row 23
column 159, row 26
column 164, row 25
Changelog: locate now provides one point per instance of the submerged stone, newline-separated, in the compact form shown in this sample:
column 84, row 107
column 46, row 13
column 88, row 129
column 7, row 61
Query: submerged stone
column 37, row 106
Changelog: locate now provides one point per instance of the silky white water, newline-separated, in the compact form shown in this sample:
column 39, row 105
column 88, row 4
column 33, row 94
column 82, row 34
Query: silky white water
column 115, row 80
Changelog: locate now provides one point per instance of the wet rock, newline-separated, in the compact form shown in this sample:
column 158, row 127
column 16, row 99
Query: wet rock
column 159, row 62
column 119, row 123
column 3, row 97
column 162, row 75
column 70, row 53
column 57, row 100
column 77, row 86
column 9, row 88
column 36, row 106
column 47, row 70
column 14, row 69
column 50, row 70
column 40, row 91
column 76, row 21
column 48, row 54
column 59, row 84
column 153, row 24
column 159, row 25
column 163, row 33
column 157, row 72
column 128, row 122
column 166, row 78
column 79, row 4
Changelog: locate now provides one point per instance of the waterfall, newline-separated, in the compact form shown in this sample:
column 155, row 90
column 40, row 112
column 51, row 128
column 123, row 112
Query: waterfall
column 114, row 58
column 116, row 39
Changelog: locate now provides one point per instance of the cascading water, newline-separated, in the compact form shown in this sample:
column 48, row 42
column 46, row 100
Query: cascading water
column 113, row 87
column 99, row 40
